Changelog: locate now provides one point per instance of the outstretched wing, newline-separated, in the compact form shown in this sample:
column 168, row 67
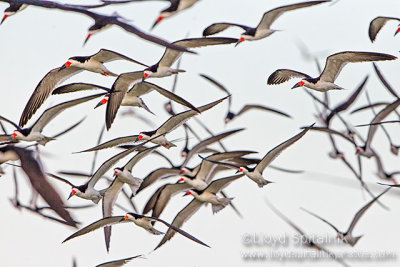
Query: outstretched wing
column 284, row 75
column 221, row 26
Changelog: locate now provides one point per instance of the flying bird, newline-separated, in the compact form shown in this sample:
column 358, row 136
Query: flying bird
column 172, row 123
column 87, row 190
column 158, row 136
column 38, row 180
column 334, row 64
column 256, row 172
column 101, row 21
column 12, row 9
column 366, row 149
column 34, row 132
column 132, row 96
column 142, row 221
column 208, row 195
column 347, row 237
column 307, row 241
column 231, row 115
column 263, row 29
column 199, row 179
column 175, row 7
column 122, row 176
column 74, row 65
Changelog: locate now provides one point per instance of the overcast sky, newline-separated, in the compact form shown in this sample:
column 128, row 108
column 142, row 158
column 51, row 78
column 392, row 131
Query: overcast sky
column 37, row 40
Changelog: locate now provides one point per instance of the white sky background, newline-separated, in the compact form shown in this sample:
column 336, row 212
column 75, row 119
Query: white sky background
column 37, row 40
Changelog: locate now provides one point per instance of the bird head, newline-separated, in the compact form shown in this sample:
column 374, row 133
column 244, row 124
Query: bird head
column 394, row 149
column 102, row 102
column 73, row 192
column 397, row 31
column 92, row 30
column 127, row 217
column 240, row 40
column 188, row 193
column 15, row 134
column 146, row 74
column 240, row 170
column 140, row 137
column 117, row 171
column 4, row 17
column 229, row 117
column 299, row 84
column 158, row 20
column 168, row 107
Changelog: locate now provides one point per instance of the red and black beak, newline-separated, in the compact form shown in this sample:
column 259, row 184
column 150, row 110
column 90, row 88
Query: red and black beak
column 4, row 18
column 87, row 38
column 240, row 40
column 158, row 20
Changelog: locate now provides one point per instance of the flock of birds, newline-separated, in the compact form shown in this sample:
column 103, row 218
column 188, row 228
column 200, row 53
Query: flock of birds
column 202, row 182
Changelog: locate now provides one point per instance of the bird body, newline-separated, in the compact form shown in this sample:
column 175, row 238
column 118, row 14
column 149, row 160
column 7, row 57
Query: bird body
column 217, row 203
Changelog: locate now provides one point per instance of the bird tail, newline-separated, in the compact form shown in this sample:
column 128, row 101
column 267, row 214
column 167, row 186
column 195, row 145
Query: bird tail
column 176, row 71
column 45, row 140
column 263, row 182
column 223, row 202
column 355, row 240
column 154, row 231
column 135, row 186
column 96, row 201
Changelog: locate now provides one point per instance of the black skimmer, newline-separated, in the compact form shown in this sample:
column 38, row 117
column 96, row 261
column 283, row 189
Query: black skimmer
column 87, row 190
column 157, row 136
column 334, row 64
column 95, row 63
column 381, row 173
column 132, row 96
column 163, row 67
column 120, row 88
column 376, row 25
column 208, row 195
column 393, row 148
column 74, row 65
column 263, row 29
column 231, row 115
column 122, row 176
column 174, row 7
column 255, row 173
column 118, row 263
column 142, row 221
column 366, row 149
column 204, row 174
column 34, row 132
column 33, row 170
column 347, row 237
column 199, row 179
column 12, row 9
column 172, row 123
column 102, row 21
column 307, row 241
